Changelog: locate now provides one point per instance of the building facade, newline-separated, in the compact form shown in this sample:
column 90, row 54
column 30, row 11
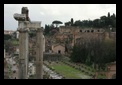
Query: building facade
column 58, row 49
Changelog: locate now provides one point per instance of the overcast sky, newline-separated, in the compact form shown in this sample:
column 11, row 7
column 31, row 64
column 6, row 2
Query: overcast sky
column 46, row 13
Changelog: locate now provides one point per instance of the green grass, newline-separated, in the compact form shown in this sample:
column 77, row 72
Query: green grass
column 67, row 71
column 86, row 69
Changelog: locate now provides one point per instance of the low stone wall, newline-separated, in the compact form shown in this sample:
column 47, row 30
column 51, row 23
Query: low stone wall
column 52, row 57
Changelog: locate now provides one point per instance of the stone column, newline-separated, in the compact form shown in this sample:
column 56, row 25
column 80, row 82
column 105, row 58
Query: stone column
column 23, row 54
column 39, row 54
column 4, row 53
column 43, row 43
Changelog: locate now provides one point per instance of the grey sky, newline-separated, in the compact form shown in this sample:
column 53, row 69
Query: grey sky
column 46, row 13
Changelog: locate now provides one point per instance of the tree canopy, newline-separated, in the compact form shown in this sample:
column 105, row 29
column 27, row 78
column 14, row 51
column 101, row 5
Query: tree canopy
column 7, row 36
column 95, row 52
column 102, row 22
column 57, row 22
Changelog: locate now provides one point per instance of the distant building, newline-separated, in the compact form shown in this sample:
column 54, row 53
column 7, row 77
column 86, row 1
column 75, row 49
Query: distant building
column 72, row 30
column 58, row 48
column 72, row 35
column 10, row 32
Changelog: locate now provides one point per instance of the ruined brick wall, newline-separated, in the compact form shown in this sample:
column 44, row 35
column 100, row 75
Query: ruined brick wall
column 110, row 74
column 113, row 67
column 111, row 71
column 69, row 29
column 61, row 37
column 78, row 34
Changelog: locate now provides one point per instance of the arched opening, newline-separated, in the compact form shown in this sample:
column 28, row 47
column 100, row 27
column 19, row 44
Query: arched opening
column 59, row 51
column 80, row 30
column 92, row 30
column 14, row 71
column 88, row 31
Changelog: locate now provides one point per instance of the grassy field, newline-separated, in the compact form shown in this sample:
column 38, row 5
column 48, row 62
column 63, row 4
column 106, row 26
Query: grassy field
column 68, row 72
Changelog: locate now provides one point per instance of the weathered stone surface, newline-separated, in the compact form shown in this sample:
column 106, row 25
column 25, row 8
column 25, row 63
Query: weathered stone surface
column 34, row 25
column 23, row 56
column 24, row 26
column 39, row 54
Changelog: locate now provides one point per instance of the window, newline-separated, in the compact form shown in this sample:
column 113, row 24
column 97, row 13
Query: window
column 92, row 30
column 80, row 30
column 14, row 71
column 87, row 30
